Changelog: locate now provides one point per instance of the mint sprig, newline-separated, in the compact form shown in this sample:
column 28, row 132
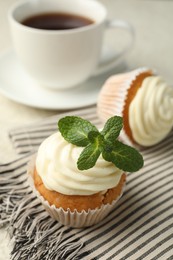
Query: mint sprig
column 82, row 133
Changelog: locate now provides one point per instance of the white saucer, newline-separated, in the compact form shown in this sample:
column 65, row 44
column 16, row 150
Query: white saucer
column 17, row 85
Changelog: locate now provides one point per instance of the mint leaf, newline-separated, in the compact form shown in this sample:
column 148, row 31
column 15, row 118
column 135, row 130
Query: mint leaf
column 124, row 157
column 91, row 152
column 75, row 130
column 82, row 133
column 112, row 128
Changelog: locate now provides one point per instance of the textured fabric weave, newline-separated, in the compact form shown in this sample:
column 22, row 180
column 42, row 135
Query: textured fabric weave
column 140, row 227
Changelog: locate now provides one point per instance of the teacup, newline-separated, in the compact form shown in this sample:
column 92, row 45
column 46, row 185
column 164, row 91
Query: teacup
column 57, row 57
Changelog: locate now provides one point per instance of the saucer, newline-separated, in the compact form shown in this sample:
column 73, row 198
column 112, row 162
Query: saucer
column 18, row 86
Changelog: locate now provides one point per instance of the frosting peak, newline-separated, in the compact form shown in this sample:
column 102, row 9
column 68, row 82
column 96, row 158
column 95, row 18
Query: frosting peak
column 56, row 164
column 151, row 111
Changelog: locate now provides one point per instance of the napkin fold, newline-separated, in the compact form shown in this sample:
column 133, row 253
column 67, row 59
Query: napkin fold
column 140, row 227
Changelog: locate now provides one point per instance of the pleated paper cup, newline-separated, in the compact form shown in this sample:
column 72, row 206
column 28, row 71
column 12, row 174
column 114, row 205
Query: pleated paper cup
column 113, row 95
column 66, row 217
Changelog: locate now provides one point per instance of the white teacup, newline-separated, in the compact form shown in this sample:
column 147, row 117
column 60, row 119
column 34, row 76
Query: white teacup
column 62, row 59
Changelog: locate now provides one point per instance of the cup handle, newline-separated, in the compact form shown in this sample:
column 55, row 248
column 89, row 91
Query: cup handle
column 113, row 61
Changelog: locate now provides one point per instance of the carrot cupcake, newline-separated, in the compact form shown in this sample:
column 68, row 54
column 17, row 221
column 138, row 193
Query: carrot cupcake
column 75, row 173
column 144, row 100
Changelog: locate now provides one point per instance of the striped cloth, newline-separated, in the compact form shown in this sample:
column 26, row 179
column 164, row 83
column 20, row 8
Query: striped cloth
column 140, row 227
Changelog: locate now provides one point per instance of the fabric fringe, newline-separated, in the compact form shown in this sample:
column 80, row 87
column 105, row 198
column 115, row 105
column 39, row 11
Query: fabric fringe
column 35, row 235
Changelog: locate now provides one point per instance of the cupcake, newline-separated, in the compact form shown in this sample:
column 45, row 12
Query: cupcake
column 75, row 173
column 144, row 100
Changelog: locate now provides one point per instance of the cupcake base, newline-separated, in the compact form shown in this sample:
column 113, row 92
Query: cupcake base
column 74, row 211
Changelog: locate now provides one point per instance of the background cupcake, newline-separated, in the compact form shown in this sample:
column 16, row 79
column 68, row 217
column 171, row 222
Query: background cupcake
column 144, row 100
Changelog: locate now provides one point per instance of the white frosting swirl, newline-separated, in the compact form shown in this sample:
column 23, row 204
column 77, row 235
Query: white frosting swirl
column 151, row 111
column 56, row 163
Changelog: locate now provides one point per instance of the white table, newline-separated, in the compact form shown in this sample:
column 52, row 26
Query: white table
column 153, row 23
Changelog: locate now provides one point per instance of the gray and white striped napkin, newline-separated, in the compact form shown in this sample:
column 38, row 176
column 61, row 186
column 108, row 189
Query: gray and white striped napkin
column 140, row 227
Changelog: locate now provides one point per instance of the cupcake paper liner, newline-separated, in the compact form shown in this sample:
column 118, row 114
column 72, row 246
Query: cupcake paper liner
column 66, row 217
column 112, row 97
